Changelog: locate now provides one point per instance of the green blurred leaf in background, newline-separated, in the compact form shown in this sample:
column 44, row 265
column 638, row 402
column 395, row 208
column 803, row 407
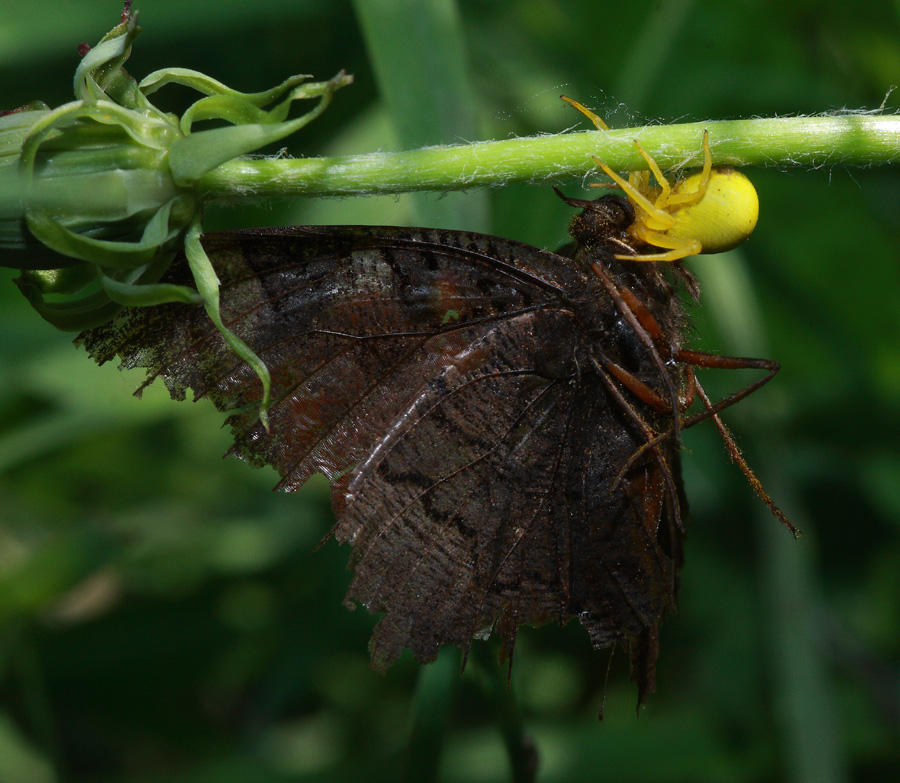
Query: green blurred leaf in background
column 162, row 613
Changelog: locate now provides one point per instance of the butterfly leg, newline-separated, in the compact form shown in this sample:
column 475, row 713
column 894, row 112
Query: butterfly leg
column 649, row 332
column 714, row 361
column 692, row 359
column 699, row 359
column 735, row 453
column 651, row 441
column 693, row 386
column 712, row 410
column 652, row 329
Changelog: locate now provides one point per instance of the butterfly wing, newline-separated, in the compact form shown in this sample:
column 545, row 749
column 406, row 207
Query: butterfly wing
column 442, row 381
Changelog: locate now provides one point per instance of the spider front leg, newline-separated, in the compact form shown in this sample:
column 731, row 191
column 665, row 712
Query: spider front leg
column 599, row 124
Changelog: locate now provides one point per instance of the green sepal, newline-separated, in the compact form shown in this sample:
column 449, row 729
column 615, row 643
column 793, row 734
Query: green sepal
column 148, row 294
column 245, row 108
column 100, row 73
column 112, row 184
column 192, row 156
column 208, row 286
column 74, row 315
column 65, row 280
column 209, row 86
column 104, row 252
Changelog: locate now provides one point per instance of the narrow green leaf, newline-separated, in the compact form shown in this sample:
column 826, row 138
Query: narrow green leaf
column 426, row 89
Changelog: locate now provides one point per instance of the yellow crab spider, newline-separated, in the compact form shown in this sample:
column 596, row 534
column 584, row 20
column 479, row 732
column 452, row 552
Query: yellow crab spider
column 711, row 211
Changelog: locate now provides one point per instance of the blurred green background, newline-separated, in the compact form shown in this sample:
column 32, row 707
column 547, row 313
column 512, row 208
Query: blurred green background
column 162, row 613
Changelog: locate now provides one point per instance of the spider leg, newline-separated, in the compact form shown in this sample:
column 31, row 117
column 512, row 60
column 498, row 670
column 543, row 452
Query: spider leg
column 599, row 124
column 694, row 196
column 661, row 219
column 678, row 247
column 665, row 188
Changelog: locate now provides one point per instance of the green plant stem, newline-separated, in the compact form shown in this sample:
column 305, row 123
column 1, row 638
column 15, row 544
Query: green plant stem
column 851, row 139
column 37, row 704
column 520, row 747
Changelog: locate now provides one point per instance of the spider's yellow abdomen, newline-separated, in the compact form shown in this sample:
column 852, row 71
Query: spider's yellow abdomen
column 724, row 217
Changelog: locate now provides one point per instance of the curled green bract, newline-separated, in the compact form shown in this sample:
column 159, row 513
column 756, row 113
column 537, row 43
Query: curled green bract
column 99, row 195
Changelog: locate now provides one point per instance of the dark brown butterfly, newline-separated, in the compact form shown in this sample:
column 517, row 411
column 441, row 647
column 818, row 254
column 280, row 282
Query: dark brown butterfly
column 500, row 423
